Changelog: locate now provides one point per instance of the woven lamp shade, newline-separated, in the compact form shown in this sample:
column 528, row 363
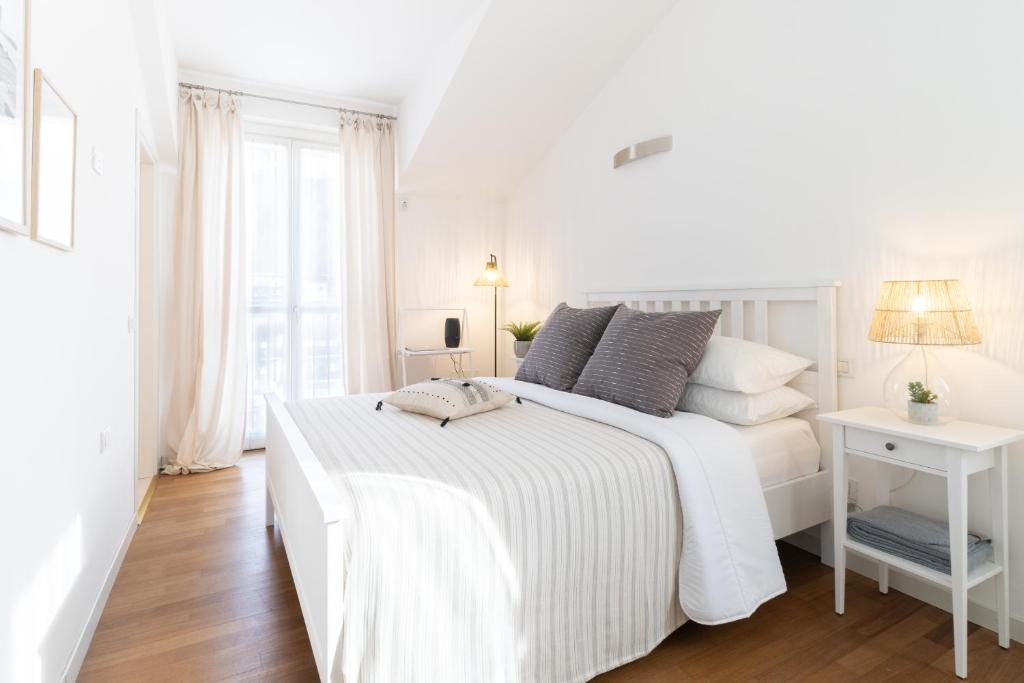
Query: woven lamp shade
column 926, row 312
column 491, row 277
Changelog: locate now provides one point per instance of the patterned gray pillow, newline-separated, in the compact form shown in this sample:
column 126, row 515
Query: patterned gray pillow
column 562, row 348
column 644, row 359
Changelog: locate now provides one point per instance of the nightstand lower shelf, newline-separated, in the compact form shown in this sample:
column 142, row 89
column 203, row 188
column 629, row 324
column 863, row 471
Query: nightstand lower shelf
column 983, row 572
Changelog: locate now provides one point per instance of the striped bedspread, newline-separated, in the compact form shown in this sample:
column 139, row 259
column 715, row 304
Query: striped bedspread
column 530, row 543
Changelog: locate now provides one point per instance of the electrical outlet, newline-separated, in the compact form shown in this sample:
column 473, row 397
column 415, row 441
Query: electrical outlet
column 852, row 492
column 844, row 368
column 104, row 440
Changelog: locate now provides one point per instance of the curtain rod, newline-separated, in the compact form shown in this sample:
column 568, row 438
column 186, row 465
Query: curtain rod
column 286, row 101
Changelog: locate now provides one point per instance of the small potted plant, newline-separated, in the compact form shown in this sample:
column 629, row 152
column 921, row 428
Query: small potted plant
column 923, row 407
column 524, row 334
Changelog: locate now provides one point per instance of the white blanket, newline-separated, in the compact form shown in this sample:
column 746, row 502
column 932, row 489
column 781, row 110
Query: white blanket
column 729, row 564
column 538, row 542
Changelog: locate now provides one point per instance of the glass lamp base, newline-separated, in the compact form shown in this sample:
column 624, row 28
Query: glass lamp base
column 919, row 366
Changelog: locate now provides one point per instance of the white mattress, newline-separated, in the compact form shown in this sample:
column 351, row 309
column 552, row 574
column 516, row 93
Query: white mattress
column 782, row 449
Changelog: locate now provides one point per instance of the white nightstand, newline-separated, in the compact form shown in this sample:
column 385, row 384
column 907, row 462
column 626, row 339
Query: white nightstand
column 954, row 451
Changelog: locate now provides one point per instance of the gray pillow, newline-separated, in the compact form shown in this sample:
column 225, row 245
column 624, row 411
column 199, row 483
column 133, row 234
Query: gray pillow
column 563, row 346
column 644, row 359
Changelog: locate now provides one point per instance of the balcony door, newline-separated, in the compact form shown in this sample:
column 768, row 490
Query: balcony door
column 292, row 200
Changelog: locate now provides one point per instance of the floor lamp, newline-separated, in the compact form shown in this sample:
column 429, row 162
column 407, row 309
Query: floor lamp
column 492, row 277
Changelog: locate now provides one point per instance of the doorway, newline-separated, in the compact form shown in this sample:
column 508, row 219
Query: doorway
column 144, row 326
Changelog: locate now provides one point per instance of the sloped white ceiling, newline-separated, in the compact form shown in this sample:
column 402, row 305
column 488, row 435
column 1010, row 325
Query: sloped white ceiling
column 367, row 49
column 484, row 86
column 529, row 69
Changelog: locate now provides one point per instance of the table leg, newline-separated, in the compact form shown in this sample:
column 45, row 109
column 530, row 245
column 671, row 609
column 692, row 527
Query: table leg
column 882, row 498
column 956, row 486
column 1000, row 544
column 269, row 511
column 839, row 515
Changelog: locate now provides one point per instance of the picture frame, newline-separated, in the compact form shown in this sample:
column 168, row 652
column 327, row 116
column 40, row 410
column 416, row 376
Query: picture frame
column 15, row 116
column 54, row 162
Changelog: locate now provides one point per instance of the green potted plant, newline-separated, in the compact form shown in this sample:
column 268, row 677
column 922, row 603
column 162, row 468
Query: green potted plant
column 524, row 333
column 922, row 407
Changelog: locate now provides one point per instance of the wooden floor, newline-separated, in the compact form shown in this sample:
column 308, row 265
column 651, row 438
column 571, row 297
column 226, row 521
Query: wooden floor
column 205, row 595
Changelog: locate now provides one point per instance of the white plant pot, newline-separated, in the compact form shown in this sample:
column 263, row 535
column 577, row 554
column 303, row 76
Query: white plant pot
column 521, row 348
column 923, row 413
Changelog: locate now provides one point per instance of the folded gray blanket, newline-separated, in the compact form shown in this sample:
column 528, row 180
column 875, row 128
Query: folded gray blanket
column 913, row 537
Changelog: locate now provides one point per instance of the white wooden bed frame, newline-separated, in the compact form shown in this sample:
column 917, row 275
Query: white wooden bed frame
column 806, row 502
column 312, row 514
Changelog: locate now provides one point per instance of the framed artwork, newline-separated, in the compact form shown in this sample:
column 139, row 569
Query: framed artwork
column 15, row 115
column 54, row 143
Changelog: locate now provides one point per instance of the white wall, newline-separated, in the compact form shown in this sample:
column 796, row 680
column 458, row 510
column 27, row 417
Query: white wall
column 419, row 106
column 443, row 241
column 814, row 139
column 160, row 63
column 64, row 356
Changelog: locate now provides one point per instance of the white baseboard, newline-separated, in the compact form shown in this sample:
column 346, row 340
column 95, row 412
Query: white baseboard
column 82, row 647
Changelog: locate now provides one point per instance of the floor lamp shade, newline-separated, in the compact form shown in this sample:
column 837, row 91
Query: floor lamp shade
column 922, row 313
column 492, row 277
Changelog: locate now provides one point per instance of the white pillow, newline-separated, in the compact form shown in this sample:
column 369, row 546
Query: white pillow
column 448, row 399
column 740, row 365
column 743, row 409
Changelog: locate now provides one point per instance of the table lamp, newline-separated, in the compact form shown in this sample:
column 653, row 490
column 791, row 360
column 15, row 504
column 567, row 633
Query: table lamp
column 492, row 277
column 922, row 313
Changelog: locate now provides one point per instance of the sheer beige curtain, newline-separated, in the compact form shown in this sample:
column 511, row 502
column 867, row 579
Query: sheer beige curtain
column 206, row 420
column 368, row 261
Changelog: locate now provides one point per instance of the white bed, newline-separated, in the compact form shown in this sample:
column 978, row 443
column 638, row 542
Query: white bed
column 398, row 510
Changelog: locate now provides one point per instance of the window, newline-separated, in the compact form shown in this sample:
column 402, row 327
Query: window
column 292, row 191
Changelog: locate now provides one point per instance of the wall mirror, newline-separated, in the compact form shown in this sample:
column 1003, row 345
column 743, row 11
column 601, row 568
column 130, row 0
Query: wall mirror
column 15, row 112
column 54, row 140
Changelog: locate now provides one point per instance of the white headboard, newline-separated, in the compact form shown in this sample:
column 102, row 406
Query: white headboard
column 765, row 313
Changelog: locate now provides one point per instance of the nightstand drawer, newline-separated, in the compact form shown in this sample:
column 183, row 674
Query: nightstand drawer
column 896, row 448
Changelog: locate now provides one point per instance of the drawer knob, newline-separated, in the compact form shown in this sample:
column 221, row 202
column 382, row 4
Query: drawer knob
column 890, row 446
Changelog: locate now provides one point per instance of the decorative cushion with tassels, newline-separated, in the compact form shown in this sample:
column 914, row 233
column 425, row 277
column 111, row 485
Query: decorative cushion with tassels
column 448, row 399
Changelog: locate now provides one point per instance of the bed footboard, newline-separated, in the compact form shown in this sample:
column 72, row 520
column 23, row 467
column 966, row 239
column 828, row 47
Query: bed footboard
column 310, row 514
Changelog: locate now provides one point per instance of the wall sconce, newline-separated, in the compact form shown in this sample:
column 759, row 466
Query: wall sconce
column 641, row 150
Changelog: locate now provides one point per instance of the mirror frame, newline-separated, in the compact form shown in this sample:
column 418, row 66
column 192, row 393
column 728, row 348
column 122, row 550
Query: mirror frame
column 39, row 81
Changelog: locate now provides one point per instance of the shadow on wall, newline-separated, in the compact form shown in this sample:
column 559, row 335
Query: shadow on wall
column 38, row 609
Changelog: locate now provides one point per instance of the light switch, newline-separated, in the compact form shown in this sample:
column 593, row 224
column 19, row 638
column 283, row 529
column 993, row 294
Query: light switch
column 97, row 161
